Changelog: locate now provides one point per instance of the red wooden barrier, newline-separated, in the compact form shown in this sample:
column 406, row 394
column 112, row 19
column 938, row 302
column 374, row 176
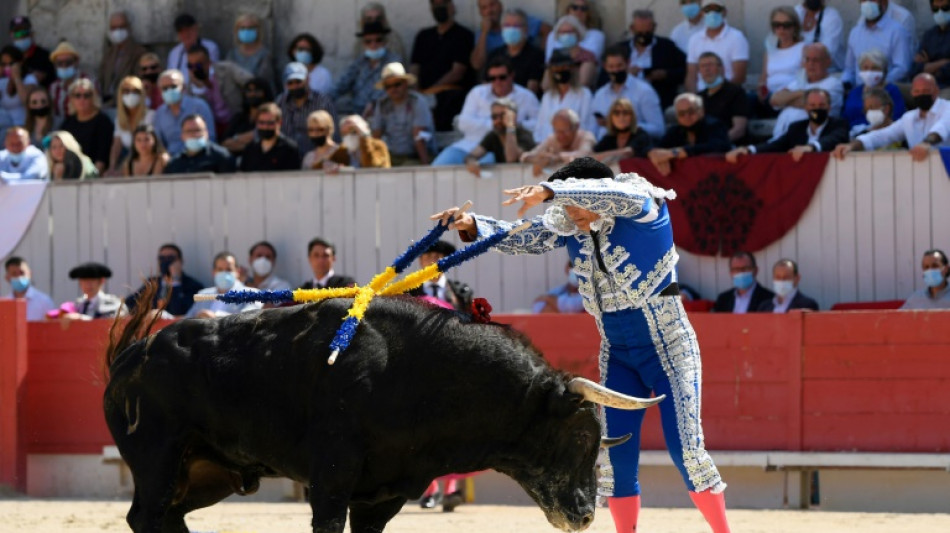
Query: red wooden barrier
column 862, row 381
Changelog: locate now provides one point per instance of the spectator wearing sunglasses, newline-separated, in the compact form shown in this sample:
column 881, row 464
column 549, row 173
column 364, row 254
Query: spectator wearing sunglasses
column 149, row 68
column 88, row 124
column 356, row 90
column 66, row 60
column 782, row 60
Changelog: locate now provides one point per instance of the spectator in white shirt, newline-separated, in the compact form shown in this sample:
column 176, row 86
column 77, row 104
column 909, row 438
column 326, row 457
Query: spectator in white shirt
column 782, row 61
column 21, row 160
column 586, row 12
column 566, row 143
column 565, row 92
column 18, row 275
column 875, row 30
column 475, row 120
column 922, row 128
column 727, row 42
column 645, row 100
column 693, row 24
column 822, row 23
column 791, row 100
column 225, row 271
column 187, row 30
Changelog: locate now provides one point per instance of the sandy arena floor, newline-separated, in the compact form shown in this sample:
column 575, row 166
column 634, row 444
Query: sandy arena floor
column 48, row 516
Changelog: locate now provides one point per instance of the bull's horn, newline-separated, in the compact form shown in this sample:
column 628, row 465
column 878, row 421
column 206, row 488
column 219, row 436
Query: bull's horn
column 609, row 442
column 593, row 392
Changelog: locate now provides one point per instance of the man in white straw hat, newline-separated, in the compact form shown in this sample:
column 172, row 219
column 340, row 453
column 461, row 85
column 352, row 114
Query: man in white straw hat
column 402, row 118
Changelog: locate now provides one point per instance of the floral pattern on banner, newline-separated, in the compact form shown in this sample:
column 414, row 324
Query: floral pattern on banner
column 723, row 208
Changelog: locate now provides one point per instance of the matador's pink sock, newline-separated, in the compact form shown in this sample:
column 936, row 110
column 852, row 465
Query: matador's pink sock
column 432, row 489
column 625, row 511
column 713, row 508
column 452, row 485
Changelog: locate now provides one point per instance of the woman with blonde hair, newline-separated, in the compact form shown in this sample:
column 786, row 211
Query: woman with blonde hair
column 147, row 156
column 131, row 112
column 586, row 13
column 359, row 149
column 39, row 116
column 624, row 137
column 782, row 60
column 66, row 159
column 249, row 51
column 320, row 131
column 88, row 124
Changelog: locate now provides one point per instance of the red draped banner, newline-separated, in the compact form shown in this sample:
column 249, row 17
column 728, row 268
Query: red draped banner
column 722, row 208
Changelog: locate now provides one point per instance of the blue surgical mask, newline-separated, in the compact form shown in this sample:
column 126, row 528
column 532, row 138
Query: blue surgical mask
column 303, row 56
column 572, row 279
column 15, row 158
column 870, row 10
column 690, row 10
column 713, row 20
column 20, row 284
column 224, row 280
column 567, row 40
column 941, row 18
column 196, row 144
column 743, row 280
column 933, row 277
column 715, row 83
column 172, row 95
column 375, row 54
column 783, row 287
column 247, row 35
column 511, row 35
column 65, row 73
column 23, row 44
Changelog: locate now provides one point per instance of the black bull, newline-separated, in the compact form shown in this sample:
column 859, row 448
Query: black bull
column 204, row 408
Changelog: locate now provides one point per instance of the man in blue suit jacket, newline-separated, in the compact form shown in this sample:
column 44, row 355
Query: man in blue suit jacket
column 785, row 278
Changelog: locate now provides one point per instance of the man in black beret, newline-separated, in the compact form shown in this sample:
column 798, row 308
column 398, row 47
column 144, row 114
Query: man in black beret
column 94, row 303
column 453, row 292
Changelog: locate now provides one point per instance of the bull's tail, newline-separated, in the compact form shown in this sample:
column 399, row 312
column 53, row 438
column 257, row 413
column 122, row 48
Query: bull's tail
column 137, row 326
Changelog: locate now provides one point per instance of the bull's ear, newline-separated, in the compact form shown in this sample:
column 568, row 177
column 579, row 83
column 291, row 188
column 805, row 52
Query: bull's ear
column 563, row 402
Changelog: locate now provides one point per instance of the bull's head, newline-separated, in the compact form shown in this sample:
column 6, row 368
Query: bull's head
column 561, row 477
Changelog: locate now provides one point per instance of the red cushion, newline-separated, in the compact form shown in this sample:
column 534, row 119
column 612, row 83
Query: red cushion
column 856, row 306
column 698, row 306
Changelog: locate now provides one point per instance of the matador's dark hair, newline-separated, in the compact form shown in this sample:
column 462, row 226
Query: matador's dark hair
column 583, row 168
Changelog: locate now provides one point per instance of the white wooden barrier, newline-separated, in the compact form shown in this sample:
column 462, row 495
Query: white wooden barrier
column 861, row 238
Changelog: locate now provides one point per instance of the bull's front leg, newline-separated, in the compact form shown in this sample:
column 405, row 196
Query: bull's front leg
column 372, row 518
column 332, row 481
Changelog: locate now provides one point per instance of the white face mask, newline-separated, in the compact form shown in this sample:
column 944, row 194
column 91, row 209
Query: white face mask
column 875, row 117
column 351, row 142
column 783, row 288
column 131, row 99
column 871, row 78
column 262, row 266
column 119, row 35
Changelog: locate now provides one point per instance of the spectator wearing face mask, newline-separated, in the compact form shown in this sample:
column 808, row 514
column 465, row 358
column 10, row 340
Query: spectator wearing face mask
column 217, row 83
column 359, row 148
column 307, row 50
column 66, row 60
column 726, row 41
column 177, row 105
column 240, row 131
column 263, row 260
column 681, row 33
column 225, row 272
column 878, row 114
column 272, row 150
column 526, row 59
column 21, row 160
column 568, row 34
column 120, row 57
column 746, row 295
column 936, row 292
column 188, row 33
column 148, row 70
column 622, row 84
column 785, row 280
column 131, row 113
column 873, row 75
column 199, row 153
column 18, row 275
column 565, row 91
column 561, row 299
column 358, row 82
column 249, row 52
column 320, row 129
column 36, row 60
column 297, row 102
column 39, row 118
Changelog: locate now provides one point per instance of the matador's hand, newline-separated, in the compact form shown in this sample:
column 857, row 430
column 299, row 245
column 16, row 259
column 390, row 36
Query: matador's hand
column 531, row 195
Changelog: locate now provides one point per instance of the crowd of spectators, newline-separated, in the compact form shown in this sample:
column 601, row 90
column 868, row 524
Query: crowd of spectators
column 200, row 110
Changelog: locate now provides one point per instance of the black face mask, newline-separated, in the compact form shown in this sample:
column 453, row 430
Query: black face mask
column 561, row 76
column 924, row 101
column 40, row 111
column 440, row 14
column 618, row 77
column 253, row 101
column 813, row 5
column 266, row 134
column 319, row 141
column 298, row 93
column 818, row 116
column 643, row 39
column 150, row 77
column 200, row 73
